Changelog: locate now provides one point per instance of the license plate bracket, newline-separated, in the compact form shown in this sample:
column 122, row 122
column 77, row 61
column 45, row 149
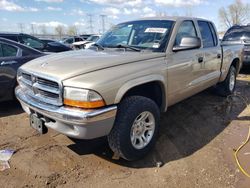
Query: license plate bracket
column 38, row 124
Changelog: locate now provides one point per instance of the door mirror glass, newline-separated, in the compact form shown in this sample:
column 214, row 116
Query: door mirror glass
column 188, row 43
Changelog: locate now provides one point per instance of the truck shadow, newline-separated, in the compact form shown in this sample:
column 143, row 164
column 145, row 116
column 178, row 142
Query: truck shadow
column 9, row 108
column 245, row 70
column 185, row 128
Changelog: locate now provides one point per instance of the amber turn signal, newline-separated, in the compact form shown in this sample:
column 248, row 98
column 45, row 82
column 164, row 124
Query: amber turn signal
column 84, row 104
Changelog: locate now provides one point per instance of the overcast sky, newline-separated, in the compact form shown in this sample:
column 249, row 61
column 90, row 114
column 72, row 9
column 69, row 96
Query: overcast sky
column 52, row 13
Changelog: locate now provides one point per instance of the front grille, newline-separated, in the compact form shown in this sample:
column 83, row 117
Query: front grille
column 40, row 88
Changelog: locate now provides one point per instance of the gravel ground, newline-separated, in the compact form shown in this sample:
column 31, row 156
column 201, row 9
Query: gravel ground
column 195, row 149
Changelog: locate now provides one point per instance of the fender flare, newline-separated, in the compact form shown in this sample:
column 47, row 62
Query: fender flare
column 140, row 81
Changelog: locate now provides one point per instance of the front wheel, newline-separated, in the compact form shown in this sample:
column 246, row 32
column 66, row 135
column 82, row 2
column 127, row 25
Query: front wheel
column 135, row 129
column 227, row 87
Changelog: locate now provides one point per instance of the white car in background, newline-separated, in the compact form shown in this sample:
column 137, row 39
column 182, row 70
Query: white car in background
column 87, row 43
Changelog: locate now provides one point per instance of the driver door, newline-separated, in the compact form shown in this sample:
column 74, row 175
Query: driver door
column 184, row 68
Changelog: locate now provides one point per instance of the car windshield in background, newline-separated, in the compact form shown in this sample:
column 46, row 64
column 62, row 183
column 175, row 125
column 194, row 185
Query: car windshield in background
column 144, row 34
column 92, row 38
column 236, row 36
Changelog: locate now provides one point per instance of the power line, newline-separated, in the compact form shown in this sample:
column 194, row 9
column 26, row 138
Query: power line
column 21, row 27
column 32, row 29
column 103, row 16
column 90, row 23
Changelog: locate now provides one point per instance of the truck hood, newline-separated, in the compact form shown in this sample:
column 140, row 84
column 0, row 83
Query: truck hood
column 73, row 63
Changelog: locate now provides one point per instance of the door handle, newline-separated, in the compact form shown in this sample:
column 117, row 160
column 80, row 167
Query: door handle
column 218, row 56
column 200, row 59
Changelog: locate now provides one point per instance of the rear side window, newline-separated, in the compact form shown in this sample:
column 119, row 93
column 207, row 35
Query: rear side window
column 236, row 35
column 206, row 34
column 8, row 51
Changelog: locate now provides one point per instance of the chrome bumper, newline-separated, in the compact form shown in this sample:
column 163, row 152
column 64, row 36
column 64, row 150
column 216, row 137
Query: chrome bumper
column 73, row 122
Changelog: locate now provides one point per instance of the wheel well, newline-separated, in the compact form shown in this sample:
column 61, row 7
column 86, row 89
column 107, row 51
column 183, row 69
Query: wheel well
column 236, row 64
column 152, row 90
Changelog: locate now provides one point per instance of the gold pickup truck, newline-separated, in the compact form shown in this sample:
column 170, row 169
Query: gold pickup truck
column 119, row 87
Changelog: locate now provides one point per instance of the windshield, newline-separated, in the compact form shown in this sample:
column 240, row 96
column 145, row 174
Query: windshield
column 92, row 38
column 237, row 35
column 144, row 34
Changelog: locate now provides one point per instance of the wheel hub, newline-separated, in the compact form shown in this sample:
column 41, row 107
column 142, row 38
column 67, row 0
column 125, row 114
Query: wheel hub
column 142, row 130
column 232, row 82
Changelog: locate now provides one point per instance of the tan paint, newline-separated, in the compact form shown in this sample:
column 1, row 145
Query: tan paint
column 113, row 72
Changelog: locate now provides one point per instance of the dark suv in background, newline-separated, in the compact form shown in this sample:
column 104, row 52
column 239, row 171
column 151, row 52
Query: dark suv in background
column 36, row 43
column 12, row 56
column 240, row 35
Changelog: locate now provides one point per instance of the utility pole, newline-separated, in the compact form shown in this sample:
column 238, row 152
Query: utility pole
column 90, row 23
column 103, row 16
column 21, row 27
column 32, row 29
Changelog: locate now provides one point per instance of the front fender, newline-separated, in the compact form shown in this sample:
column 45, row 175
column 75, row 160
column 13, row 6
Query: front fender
column 139, row 81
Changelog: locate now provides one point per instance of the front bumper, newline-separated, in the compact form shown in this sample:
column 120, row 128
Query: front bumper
column 73, row 122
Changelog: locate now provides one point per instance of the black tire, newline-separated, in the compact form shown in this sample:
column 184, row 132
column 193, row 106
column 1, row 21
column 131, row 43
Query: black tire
column 224, row 88
column 120, row 139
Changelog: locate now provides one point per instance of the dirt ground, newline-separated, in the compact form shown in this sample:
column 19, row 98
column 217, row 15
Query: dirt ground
column 195, row 149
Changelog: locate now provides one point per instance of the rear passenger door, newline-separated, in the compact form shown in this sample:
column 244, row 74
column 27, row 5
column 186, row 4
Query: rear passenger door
column 212, row 52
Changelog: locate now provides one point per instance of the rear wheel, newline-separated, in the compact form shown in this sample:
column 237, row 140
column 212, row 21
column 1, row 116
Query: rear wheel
column 227, row 87
column 135, row 129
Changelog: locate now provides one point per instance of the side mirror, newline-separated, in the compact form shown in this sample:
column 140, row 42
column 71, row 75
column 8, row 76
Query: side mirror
column 188, row 43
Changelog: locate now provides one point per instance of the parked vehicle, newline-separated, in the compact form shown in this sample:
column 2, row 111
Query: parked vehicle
column 12, row 56
column 33, row 42
column 239, row 35
column 47, row 40
column 58, row 46
column 70, row 40
column 86, row 43
column 136, row 70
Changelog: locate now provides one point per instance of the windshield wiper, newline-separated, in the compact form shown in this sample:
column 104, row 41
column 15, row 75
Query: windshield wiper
column 98, row 46
column 127, row 47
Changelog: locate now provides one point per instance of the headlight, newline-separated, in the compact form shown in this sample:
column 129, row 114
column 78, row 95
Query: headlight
column 82, row 98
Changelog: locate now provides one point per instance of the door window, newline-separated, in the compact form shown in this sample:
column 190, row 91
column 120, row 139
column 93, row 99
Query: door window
column 8, row 51
column 206, row 34
column 214, row 34
column 186, row 29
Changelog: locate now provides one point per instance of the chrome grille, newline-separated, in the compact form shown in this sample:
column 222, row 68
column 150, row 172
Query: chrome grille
column 40, row 88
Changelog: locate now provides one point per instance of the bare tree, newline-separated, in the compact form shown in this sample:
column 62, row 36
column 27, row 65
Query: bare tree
column 236, row 13
column 59, row 30
column 72, row 30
